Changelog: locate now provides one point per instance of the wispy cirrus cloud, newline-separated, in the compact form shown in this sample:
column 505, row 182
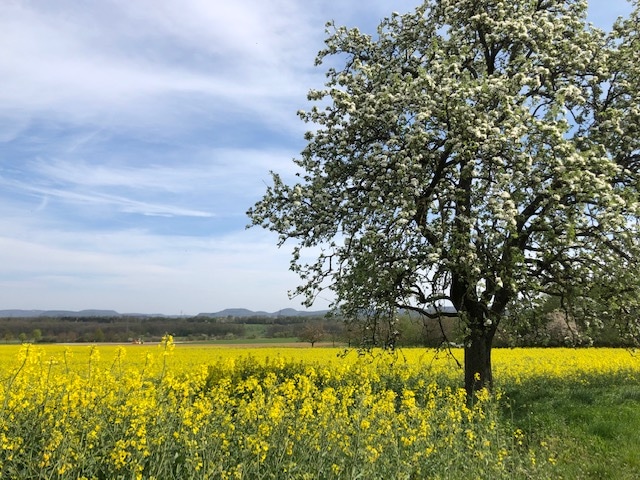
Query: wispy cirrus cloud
column 137, row 64
column 120, row 203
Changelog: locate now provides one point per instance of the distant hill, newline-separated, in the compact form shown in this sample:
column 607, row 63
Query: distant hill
column 20, row 313
column 243, row 312
column 57, row 313
column 229, row 312
column 234, row 312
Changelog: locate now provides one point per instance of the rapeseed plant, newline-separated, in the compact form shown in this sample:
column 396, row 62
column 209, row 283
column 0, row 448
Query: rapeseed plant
column 173, row 412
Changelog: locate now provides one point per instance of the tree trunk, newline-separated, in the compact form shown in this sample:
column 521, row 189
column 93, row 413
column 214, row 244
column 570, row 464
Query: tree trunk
column 477, row 345
column 477, row 360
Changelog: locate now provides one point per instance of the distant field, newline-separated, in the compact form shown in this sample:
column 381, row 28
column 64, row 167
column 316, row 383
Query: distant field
column 277, row 411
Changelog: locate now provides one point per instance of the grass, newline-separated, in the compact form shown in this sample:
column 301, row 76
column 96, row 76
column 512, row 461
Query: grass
column 255, row 330
column 593, row 425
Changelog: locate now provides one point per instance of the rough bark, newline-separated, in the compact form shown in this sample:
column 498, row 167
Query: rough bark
column 482, row 329
column 477, row 360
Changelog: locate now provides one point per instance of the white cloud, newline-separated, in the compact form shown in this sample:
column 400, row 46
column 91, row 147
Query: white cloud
column 121, row 203
column 202, row 169
column 130, row 64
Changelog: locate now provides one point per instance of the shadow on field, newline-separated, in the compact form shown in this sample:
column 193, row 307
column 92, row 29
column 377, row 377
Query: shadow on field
column 592, row 423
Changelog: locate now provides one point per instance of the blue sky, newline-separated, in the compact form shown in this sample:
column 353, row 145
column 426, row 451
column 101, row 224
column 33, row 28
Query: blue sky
column 134, row 135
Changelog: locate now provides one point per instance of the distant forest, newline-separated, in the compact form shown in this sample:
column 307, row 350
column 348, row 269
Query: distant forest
column 405, row 332
column 124, row 328
column 303, row 328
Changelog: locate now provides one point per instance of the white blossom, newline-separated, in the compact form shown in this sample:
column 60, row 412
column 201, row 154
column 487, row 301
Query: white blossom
column 446, row 167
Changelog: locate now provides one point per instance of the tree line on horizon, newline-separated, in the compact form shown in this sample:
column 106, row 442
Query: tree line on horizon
column 548, row 329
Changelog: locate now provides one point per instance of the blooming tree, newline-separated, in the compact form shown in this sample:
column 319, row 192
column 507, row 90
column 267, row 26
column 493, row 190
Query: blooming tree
column 473, row 153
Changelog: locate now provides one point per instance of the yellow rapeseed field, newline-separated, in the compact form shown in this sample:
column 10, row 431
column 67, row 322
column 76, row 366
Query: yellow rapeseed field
column 183, row 411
